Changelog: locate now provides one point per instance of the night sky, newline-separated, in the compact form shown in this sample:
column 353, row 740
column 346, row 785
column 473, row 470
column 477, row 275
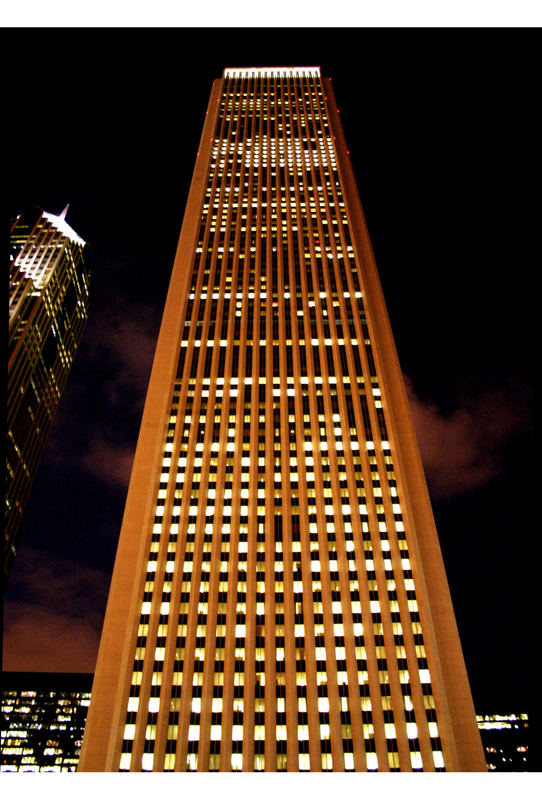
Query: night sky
column 438, row 123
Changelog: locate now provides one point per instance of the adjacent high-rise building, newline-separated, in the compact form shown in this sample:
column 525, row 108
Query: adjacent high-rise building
column 278, row 600
column 48, row 309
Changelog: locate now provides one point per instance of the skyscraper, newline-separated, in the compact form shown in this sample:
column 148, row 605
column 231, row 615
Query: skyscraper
column 48, row 309
column 278, row 599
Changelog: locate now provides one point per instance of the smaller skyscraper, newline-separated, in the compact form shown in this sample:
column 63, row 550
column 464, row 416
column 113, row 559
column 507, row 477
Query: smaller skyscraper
column 505, row 739
column 48, row 309
column 43, row 719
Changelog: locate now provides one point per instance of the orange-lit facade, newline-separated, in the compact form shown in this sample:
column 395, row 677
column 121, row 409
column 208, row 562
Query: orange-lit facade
column 48, row 310
column 278, row 600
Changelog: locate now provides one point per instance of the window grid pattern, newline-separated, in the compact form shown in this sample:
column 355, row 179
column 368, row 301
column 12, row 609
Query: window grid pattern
column 279, row 625
column 42, row 726
column 48, row 310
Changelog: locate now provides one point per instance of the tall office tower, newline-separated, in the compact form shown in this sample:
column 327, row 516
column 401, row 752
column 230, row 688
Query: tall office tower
column 48, row 309
column 278, row 599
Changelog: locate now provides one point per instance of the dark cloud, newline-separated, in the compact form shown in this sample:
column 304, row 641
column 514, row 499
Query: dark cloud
column 45, row 640
column 54, row 614
column 465, row 449
column 123, row 341
column 121, row 344
column 110, row 462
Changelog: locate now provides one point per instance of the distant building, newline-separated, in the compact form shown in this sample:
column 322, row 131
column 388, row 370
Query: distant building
column 43, row 718
column 279, row 600
column 505, row 741
column 48, row 309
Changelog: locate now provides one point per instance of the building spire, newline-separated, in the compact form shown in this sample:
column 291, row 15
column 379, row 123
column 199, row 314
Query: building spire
column 62, row 215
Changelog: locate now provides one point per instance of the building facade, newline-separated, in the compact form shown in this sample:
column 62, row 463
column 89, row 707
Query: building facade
column 48, row 309
column 43, row 719
column 505, row 738
column 278, row 599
